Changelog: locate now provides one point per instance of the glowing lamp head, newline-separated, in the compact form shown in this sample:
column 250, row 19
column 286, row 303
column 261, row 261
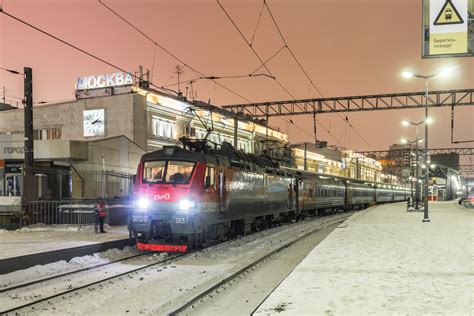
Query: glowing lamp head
column 446, row 72
column 429, row 120
column 143, row 203
column 403, row 141
column 407, row 74
column 186, row 205
column 405, row 123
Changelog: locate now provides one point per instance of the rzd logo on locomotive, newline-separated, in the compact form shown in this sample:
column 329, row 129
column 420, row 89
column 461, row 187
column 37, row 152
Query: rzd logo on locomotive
column 164, row 196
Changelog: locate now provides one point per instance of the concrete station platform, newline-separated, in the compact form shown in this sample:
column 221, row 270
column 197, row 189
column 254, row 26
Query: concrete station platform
column 385, row 261
column 26, row 247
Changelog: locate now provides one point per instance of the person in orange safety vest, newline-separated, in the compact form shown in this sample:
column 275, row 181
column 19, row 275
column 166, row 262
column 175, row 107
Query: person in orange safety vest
column 100, row 214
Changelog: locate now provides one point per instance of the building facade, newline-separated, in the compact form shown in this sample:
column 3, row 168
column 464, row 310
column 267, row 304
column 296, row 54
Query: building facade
column 335, row 161
column 106, row 129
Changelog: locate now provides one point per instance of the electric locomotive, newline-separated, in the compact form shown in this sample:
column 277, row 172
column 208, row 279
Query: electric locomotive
column 190, row 198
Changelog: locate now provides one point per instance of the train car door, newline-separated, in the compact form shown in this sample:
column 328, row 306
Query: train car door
column 222, row 193
column 299, row 195
column 293, row 195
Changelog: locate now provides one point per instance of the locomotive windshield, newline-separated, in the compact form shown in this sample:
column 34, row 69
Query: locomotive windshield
column 167, row 171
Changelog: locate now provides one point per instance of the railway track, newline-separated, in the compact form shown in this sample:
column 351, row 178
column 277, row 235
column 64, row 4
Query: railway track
column 70, row 289
column 56, row 276
column 216, row 289
column 67, row 292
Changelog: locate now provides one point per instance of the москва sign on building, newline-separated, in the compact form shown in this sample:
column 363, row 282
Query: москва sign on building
column 101, row 81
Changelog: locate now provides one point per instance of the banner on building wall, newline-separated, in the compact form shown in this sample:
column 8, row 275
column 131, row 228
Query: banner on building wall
column 447, row 31
column 12, row 147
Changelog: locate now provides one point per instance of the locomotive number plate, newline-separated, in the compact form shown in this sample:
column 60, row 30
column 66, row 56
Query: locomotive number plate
column 139, row 218
column 180, row 220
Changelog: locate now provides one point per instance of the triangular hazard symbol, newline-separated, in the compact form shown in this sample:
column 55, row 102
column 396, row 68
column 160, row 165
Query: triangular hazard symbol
column 448, row 15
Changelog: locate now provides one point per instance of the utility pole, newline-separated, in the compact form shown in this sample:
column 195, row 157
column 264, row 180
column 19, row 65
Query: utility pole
column 28, row 189
column 28, row 114
column 315, row 129
column 179, row 71
column 236, row 129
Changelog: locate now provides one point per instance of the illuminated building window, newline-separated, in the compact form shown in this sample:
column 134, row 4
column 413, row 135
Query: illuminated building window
column 163, row 128
column 47, row 133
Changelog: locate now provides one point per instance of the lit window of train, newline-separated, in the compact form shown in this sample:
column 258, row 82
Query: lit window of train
column 163, row 171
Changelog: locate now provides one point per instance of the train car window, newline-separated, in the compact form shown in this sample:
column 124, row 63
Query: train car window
column 153, row 171
column 179, row 171
column 210, row 178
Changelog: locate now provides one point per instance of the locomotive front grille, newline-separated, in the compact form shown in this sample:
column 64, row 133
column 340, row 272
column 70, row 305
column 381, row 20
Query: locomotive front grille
column 161, row 229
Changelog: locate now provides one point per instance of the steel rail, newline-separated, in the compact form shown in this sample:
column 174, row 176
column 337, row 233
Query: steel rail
column 199, row 297
column 56, row 276
column 93, row 283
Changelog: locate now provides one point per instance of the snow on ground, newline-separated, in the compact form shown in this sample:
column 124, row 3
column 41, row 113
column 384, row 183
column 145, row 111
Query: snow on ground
column 386, row 261
column 41, row 238
column 156, row 290
column 42, row 271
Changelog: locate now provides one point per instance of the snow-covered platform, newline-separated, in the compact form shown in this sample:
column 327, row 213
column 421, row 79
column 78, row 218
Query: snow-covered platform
column 59, row 241
column 384, row 260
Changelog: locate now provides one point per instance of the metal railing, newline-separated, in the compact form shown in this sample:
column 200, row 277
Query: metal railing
column 78, row 212
column 74, row 211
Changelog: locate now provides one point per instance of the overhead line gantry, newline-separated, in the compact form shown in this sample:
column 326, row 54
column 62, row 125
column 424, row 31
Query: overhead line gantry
column 394, row 101
column 384, row 154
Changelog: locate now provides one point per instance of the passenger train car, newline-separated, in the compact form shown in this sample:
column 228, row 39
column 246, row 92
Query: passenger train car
column 187, row 198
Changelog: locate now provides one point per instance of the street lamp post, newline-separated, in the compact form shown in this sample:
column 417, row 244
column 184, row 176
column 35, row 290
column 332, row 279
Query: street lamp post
column 417, row 161
column 426, row 219
column 443, row 73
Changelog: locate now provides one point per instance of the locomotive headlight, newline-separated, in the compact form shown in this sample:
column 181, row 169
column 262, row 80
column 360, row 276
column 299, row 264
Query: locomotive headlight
column 185, row 205
column 143, row 203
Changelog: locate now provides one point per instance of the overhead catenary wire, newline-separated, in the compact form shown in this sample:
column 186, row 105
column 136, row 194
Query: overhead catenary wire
column 258, row 23
column 12, row 71
column 253, row 50
column 102, row 59
column 55, row 101
column 271, row 57
column 305, row 72
column 153, row 64
column 199, row 73
column 215, row 78
column 70, row 45
column 263, row 64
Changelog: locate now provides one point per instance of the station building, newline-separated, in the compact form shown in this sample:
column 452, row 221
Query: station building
column 336, row 161
column 90, row 147
column 105, row 130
